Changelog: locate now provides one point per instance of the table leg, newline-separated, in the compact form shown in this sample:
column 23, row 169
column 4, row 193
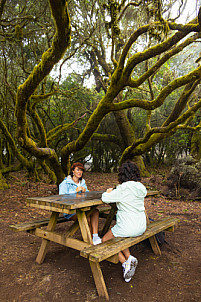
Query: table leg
column 84, row 226
column 99, row 280
column 75, row 226
column 154, row 245
column 109, row 219
column 44, row 245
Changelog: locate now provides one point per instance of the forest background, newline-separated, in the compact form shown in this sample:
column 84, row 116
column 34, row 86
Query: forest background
column 144, row 101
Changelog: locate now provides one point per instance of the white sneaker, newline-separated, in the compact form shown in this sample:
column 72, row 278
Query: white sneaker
column 127, row 280
column 126, row 269
column 130, row 268
column 97, row 240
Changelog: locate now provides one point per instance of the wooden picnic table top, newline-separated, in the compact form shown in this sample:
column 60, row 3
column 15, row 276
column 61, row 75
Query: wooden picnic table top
column 72, row 201
column 69, row 201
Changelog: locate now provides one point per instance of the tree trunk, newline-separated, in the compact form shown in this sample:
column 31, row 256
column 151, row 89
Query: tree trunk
column 196, row 145
column 128, row 137
column 3, row 184
column 1, row 155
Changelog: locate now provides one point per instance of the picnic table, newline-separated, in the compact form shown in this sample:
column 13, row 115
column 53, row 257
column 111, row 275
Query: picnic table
column 83, row 204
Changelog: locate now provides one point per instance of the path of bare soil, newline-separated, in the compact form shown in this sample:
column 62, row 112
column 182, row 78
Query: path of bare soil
column 65, row 276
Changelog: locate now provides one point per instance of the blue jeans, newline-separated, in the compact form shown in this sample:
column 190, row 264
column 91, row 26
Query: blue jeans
column 68, row 216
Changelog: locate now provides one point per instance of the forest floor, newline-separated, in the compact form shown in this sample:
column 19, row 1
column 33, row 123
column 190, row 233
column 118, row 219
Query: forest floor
column 65, row 276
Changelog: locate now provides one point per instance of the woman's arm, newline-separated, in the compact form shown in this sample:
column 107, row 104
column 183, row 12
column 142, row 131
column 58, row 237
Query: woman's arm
column 111, row 195
column 67, row 188
column 63, row 188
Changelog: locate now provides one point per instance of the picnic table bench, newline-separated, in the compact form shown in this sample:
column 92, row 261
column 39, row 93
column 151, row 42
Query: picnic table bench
column 31, row 225
column 84, row 205
column 109, row 250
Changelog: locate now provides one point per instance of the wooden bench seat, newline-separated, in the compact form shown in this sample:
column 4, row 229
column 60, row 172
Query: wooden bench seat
column 26, row 226
column 109, row 250
column 111, row 247
column 31, row 225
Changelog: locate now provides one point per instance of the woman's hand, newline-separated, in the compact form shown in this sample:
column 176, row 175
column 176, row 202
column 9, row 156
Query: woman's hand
column 109, row 190
column 82, row 189
column 78, row 189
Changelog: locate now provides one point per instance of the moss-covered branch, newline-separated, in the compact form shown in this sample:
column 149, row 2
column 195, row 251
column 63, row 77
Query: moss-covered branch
column 35, row 99
column 195, row 75
column 26, row 163
column 106, row 138
column 182, row 102
column 60, row 43
column 9, row 169
column 156, row 134
column 50, row 57
column 38, row 122
column 155, row 50
column 57, row 131
column 121, row 77
column 131, row 41
column 2, row 4
column 151, row 71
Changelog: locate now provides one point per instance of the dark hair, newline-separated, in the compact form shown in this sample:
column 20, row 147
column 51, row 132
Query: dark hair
column 79, row 165
column 128, row 171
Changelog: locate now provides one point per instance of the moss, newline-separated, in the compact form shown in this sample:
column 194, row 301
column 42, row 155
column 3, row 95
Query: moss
column 18, row 32
column 3, row 183
column 196, row 145
column 61, row 41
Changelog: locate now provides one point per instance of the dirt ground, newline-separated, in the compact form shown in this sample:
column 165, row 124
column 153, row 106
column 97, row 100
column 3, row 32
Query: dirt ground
column 65, row 276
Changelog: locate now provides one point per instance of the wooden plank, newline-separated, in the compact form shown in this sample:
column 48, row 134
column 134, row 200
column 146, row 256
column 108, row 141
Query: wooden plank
column 87, row 203
column 50, row 208
column 153, row 242
column 85, row 209
column 75, row 226
column 84, row 227
column 100, row 247
column 126, row 243
column 64, row 203
column 26, row 226
column 44, row 222
column 99, row 280
column 104, row 208
column 60, row 239
column 34, row 224
column 114, row 259
column 154, row 245
column 44, row 245
column 63, row 209
column 72, row 229
column 152, row 193
column 172, row 228
column 115, row 245
column 68, row 201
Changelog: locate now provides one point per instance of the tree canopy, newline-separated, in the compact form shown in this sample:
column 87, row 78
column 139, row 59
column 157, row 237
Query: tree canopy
column 132, row 50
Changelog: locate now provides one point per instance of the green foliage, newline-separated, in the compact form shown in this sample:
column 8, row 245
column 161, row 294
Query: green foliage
column 169, row 149
column 64, row 115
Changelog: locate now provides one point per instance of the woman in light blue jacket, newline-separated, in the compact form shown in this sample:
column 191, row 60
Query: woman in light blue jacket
column 130, row 217
column 74, row 183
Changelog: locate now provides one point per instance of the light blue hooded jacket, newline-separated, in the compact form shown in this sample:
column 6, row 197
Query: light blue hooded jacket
column 68, row 186
column 130, row 217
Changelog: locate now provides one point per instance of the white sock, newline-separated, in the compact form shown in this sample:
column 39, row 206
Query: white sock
column 95, row 236
column 124, row 264
column 130, row 258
